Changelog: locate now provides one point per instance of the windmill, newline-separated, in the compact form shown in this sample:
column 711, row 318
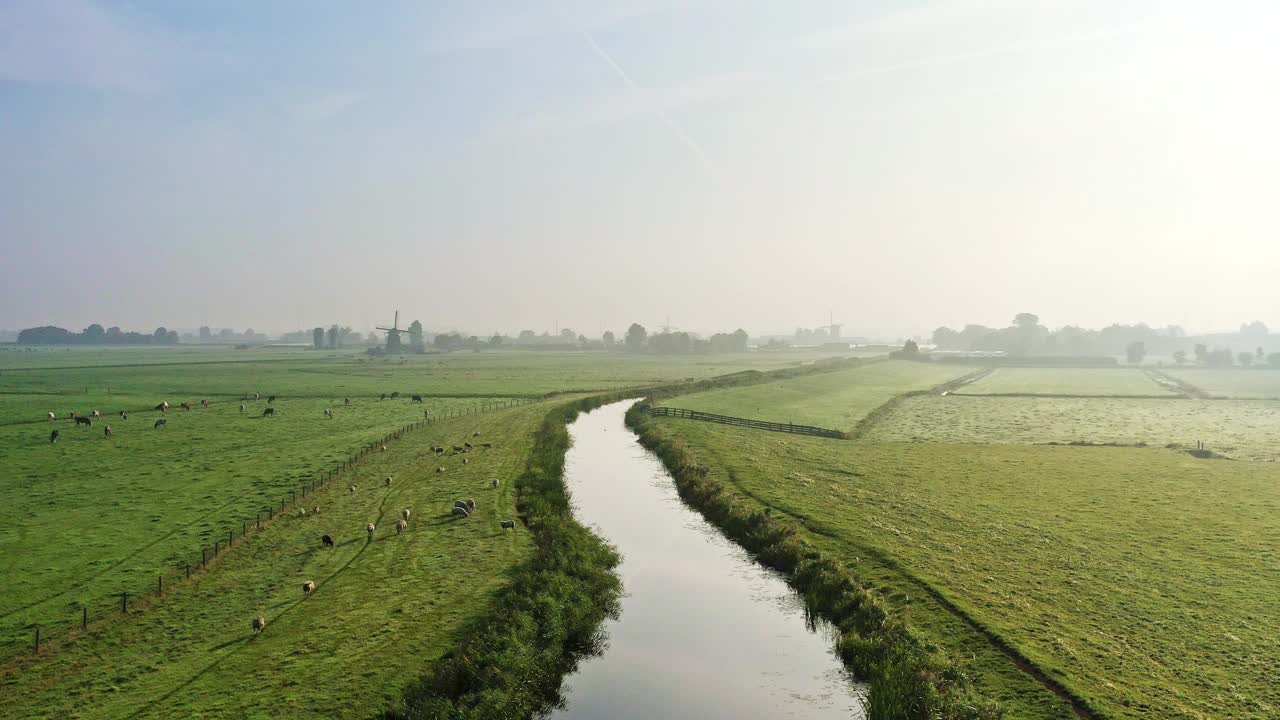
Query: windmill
column 393, row 335
column 833, row 328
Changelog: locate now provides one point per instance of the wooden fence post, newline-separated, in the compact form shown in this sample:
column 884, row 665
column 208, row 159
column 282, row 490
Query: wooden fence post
column 230, row 536
column 188, row 570
column 37, row 638
column 204, row 559
column 124, row 602
column 84, row 618
column 159, row 584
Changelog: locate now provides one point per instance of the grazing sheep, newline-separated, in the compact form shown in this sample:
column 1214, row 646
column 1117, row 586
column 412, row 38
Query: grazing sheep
column 388, row 481
column 256, row 396
column 204, row 403
column 405, row 513
column 438, row 450
column 401, row 525
column 475, row 434
column 353, row 488
column 384, row 396
column 486, row 446
column 124, row 415
column 52, row 417
column 241, row 408
column 259, row 623
column 326, row 540
column 496, row 482
column 460, row 511
column 269, row 411
column 346, row 401
column 471, row 505
column 439, row 471
column 328, row 413
column 382, row 448
column 162, row 422
column 466, row 460
column 302, row 512
column 370, row 528
column 308, row 587
column 508, row 524
column 395, row 395
column 84, row 421
column 315, row 510
column 460, row 503
column 467, row 445
column 185, row 406
column 53, row 437
column 95, row 414
column 106, row 432
column 457, row 448
column 271, row 399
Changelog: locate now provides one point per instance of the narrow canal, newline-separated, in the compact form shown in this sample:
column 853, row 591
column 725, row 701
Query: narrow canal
column 704, row 632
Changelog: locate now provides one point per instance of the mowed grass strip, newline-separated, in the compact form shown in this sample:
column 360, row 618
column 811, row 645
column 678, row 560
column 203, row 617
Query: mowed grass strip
column 382, row 610
column 835, row 400
column 1144, row 580
column 1066, row 381
column 90, row 517
column 1241, row 429
column 1232, row 382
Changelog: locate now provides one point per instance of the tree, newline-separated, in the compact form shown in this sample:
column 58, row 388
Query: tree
column 526, row 336
column 1202, row 354
column 205, row 333
column 1245, row 359
column 582, row 340
column 496, row 340
column 334, row 332
column 944, row 338
column 608, row 339
column 415, row 336
column 1180, row 357
column 740, row 340
column 568, row 335
column 1259, row 353
column 1135, row 351
column 1026, row 321
column 1274, row 360
column 636, row 337
column 317, row 337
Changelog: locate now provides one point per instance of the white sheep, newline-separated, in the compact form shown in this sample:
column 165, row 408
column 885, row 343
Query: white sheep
column 370, row 528
column 405, row 513
column 496, row 482
column 259, row 623
column 401, row 525
column 388, row 481
column 308, row 587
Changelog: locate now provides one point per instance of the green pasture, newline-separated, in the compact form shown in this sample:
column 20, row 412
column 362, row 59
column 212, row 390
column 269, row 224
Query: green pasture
column 1242, row 429
column 836, row 400
column 382, row 611
column 1142, row 579
column 1065, row 381
column 1232, row 382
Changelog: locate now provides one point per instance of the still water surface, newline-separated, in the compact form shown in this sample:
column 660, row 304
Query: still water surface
column 704, row 632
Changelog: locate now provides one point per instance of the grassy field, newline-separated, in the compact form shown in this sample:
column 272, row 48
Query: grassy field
column 1141, row 579
column 1232, row 383
column 836, row 400
column 1243, row 429
column 1065, row 381
column 382, row 611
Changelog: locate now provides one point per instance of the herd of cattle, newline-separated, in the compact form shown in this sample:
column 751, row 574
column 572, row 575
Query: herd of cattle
column 460, row 509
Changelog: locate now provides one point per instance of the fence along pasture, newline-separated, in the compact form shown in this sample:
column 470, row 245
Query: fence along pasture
column 746, row 422
column 122, row 603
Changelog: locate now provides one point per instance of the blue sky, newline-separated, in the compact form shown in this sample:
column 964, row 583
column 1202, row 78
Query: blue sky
column 501, row 165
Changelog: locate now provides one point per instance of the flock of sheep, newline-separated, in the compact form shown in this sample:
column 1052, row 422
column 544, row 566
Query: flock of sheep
column 460, row 509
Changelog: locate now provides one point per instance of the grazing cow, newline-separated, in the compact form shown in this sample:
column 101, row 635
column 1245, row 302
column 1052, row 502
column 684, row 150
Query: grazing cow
column 84, row 421
column 271, row 399
column 508, row 524
column 384, row 396
column 401, row 525
column 405, row 513
column 124, row 415
column 256, row 396
column 438, row 450
column 417, row 398
column 326, row 540
column 53, row 437
column 346, row 401
column 95, row 414
column 259, row 623
column 268, row 411
column 395, row 395
column 204, row 403
column 369, row 529
column 308, row 587
column 162, row 407
column 162, row 422
column 52, row 417
column 388, row 481
column 460, row 511
column 185, row 406
column 439, row 471
column 106, row 432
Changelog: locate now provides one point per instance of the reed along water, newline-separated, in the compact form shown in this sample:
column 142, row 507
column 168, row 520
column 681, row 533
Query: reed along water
column 705, row 631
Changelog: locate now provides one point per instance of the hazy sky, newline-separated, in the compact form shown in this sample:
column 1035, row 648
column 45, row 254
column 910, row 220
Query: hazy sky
column 496, row 165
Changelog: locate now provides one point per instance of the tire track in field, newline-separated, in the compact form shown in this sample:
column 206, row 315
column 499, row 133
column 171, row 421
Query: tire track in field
column 238, row 645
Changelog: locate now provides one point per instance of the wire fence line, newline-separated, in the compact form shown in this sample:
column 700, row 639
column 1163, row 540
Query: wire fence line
column 111, row 607
column 746, row 422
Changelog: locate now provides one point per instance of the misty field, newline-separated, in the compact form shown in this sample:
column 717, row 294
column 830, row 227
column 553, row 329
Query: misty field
column 1143, row 580
column 382, row 611
column 1244, row 429
column 836, row 400
column 1232, row 383
column 1065, row 381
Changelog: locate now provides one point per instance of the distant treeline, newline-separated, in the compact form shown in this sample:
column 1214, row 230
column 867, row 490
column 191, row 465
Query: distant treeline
column 95, row 335
column 636, row 340
column 1027, row 337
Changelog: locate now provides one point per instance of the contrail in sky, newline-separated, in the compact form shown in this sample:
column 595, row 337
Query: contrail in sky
column 657, row 111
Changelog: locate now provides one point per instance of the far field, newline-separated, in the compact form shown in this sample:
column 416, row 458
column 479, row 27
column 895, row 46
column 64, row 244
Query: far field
column 1066, row 381
column 1144, row 580
column 1244, row 429
column 1232, row 383
column 836, row 400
